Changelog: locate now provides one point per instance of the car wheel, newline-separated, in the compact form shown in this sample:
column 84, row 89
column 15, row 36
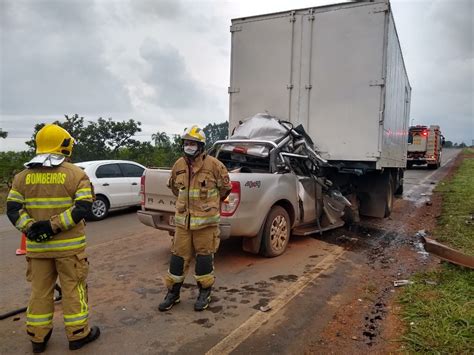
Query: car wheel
column 276, row 232
column 100, row 208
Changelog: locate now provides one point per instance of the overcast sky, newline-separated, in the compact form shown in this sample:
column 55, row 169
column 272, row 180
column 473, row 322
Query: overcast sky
column 166, row 62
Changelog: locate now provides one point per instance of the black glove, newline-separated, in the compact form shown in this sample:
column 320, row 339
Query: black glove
column 40, row 231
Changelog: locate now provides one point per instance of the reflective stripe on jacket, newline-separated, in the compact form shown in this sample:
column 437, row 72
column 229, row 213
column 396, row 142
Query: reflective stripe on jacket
column 199, row 188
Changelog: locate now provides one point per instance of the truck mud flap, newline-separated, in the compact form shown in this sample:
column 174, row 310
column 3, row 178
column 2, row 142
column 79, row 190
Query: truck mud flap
column 372, row 193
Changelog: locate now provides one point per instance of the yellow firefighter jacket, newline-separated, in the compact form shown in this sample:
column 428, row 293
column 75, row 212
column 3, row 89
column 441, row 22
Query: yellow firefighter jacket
column 199, row 185
column 51, row 194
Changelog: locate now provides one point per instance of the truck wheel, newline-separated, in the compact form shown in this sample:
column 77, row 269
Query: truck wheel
column 433, row 166
column 276, row 232
column 399, row 183
column 389, row 198
column 100, row 208
column 409, row 165
column 399, row 191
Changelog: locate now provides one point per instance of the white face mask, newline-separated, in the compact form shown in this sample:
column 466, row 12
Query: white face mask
column 190, row 149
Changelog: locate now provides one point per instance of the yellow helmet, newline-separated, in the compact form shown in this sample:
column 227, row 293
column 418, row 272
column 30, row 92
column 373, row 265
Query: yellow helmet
column 194, row 133
column 54, row 139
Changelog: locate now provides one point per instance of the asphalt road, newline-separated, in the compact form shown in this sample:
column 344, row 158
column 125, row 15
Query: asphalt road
column 301, row 289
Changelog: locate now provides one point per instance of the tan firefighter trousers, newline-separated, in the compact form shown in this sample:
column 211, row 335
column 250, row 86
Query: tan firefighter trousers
column 43, row 273
column 188, row 243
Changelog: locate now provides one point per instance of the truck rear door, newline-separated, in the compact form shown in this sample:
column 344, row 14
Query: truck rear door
column 417, row 140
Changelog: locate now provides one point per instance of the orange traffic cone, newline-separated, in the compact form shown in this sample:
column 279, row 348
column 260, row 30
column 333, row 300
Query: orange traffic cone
column 22, row 250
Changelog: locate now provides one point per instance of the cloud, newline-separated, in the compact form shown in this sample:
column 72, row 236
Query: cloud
column 52, row 60
column 168, row 75
column 453, row 25
column 152, row 10
column 437, row 39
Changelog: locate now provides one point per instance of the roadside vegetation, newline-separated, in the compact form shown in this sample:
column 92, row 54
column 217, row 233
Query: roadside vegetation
column 3, row 198
column 438, row 308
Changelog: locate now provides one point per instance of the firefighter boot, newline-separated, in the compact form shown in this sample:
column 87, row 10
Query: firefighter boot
column 203, row 300
column 41, row 347
column 171, row 298
column 93, row 335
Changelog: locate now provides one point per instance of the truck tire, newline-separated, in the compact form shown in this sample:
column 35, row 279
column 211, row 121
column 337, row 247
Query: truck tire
column 409, row 165
column 399, row 191
column 276, row 232
column 399, row 183
column 100, row 208
column 389, row 198
column 433, row 166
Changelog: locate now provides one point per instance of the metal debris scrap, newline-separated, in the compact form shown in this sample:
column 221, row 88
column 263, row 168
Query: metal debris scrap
column 398, row 283
column 446, row 253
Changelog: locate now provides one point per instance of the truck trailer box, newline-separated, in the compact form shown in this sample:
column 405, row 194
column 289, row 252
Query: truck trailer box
column 338, row 70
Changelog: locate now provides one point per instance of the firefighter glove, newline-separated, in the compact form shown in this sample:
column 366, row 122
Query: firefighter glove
column 40, row 231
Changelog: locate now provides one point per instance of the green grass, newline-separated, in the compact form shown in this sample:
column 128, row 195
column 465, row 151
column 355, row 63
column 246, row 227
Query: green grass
column 456, row 225
column 439, row 314
column 440, row 317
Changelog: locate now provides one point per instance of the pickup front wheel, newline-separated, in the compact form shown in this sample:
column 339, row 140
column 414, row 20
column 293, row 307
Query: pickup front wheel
column 276, row 232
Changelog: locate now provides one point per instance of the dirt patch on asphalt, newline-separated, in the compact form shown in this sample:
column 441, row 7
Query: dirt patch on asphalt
column 370, row 323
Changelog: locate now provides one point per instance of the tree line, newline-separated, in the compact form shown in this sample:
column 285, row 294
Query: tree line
column 109, row 139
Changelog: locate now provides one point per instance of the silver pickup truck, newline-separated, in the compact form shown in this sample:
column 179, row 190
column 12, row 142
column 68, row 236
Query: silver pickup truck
column 277, row 189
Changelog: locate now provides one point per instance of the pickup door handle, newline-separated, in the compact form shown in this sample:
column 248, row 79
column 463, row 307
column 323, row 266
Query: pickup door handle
column 106, row 184
column 134, row 183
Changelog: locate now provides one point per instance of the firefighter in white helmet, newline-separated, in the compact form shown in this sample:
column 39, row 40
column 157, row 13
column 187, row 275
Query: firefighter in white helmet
column 200, row 182
column 48, row 202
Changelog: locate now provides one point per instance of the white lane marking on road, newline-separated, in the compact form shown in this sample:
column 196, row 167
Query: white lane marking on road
column 427, row 177
column 240, row 334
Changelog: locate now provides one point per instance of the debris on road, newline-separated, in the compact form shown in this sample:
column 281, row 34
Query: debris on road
column 398, row 283
column 265, row 308
column 345, row 239
column 470, row 219
column 429, row 203
column 421, row 233
column 446, row 253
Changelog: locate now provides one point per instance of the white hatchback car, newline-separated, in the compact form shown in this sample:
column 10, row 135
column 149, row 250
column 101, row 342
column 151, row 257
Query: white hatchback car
column 116, row 185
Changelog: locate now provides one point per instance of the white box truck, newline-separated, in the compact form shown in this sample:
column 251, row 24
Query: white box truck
column 337, row 70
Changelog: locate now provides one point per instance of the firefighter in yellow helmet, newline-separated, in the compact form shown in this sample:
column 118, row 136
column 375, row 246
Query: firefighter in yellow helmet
column 48, row 202
column 200, row 182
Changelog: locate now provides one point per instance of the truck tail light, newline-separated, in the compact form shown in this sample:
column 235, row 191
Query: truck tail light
column 425, row 133
column 230, row 204
column 142, row 189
